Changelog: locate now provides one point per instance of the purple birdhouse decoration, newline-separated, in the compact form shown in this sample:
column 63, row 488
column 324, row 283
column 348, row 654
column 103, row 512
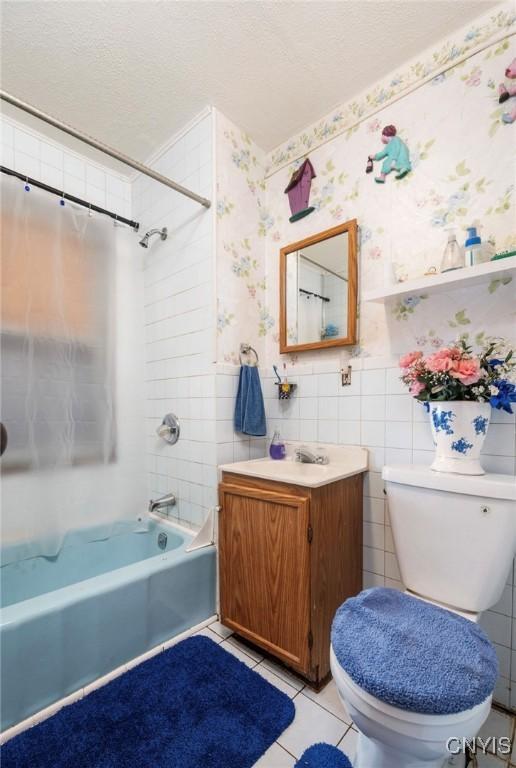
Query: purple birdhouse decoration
column 298, row 191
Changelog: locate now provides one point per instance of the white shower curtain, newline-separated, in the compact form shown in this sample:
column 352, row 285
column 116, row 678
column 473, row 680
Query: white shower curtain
column 62, row 469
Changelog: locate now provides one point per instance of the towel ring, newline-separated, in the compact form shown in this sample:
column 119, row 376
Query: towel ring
column 246, row 349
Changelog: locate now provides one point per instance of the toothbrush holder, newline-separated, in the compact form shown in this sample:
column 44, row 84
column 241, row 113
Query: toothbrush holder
column 285, row 389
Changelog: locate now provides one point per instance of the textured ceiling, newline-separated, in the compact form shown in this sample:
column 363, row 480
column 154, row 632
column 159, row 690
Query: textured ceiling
column 133, row 73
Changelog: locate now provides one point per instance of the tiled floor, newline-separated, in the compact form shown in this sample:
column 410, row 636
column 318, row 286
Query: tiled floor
column 322, row 717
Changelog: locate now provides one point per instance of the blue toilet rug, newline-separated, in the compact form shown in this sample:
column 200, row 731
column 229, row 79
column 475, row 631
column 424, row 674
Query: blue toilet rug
column 323, row 756
column 190, row 706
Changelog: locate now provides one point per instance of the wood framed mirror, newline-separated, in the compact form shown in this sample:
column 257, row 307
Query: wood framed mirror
column 318, row 290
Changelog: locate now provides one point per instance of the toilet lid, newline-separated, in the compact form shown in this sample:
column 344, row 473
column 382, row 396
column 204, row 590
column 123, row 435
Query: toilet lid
column 412, row 654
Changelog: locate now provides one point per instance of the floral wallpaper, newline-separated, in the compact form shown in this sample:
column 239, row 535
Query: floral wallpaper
column 432, row 62
column 242, row 223
column 463, row 173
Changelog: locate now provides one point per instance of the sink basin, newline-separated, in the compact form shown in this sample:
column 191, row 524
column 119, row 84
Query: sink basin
column 344, row 461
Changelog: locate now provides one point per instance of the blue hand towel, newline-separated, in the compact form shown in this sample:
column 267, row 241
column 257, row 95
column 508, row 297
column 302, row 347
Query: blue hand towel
column 249, row 407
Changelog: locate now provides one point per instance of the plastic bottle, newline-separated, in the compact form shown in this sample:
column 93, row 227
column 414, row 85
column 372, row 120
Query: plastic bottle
column 277, row 449
column 453, row 257
column 473, row 250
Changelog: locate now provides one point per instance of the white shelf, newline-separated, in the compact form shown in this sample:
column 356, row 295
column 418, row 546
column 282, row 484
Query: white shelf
column 447, row 281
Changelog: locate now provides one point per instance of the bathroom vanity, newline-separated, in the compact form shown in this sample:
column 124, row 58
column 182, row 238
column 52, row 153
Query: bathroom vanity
column 290, row 552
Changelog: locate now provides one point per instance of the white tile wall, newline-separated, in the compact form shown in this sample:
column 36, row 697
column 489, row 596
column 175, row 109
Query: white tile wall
column 180, row 325
column 27, row 151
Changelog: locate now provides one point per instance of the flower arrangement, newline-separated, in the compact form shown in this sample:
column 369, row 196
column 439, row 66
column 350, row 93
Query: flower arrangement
column 456, row 373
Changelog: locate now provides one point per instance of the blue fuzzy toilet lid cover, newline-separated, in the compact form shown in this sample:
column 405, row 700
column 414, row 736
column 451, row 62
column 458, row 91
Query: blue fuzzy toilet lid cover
column 412, row 654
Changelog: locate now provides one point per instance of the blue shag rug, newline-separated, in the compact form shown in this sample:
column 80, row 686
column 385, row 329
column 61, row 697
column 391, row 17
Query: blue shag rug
column 323, row 756
column 193, row 705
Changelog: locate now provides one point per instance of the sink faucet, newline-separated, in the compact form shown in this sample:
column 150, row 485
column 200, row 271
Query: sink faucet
column 162, row 503
column 307, row 457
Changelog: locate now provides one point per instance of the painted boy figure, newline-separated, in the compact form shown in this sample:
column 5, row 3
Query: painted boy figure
column 395, row 156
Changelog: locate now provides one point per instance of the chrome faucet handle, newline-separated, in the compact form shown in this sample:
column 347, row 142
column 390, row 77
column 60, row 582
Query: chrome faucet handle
column 169, row 429
column 305, row 456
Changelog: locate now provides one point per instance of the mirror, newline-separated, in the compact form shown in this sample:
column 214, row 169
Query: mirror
column 318, row 290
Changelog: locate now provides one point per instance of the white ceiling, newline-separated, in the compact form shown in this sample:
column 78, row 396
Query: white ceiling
column 133, row 73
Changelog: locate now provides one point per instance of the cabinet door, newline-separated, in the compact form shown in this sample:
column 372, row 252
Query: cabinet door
column 264, row 570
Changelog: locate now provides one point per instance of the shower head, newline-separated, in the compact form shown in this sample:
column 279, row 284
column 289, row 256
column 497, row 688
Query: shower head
column 163, row 233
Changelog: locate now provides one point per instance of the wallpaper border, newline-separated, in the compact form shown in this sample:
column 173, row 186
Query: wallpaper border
column 485, row 31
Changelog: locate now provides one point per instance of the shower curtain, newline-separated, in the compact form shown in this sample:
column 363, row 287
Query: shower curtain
column 64, row 467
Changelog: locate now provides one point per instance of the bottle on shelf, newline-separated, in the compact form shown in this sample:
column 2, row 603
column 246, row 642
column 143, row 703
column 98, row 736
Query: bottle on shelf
column 453, row 256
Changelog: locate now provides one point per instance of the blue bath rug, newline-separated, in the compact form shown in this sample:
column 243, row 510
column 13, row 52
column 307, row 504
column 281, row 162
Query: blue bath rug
column 323, row 756
column 193, row 705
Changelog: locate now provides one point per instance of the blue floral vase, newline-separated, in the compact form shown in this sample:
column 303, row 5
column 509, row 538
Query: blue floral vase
column 459, row 428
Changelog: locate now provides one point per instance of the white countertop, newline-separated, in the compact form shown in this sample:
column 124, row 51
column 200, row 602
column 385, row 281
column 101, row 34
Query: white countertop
column 344, row 461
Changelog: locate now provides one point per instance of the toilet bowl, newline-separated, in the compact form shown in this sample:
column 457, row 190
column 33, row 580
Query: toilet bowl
column 400, row 739
column 401, row 661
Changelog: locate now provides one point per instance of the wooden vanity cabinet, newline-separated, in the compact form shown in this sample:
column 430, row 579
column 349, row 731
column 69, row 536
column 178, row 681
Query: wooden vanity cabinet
column 288, row 557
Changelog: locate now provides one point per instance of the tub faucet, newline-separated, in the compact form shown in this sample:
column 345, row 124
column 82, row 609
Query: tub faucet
column 307, row 457
column 162, row 503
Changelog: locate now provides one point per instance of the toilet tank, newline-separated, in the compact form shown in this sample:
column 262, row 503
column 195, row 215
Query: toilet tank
column 455, row 536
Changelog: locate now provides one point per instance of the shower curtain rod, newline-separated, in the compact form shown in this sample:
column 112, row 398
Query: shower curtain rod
column 107, row 150
column 66, row 196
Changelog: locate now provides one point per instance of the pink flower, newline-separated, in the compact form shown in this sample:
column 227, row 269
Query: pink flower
column 410, row 358
column 416, row 387
column 467, row 371
column 443, row 360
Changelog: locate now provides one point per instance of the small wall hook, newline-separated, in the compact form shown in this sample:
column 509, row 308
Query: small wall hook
column 345, row 376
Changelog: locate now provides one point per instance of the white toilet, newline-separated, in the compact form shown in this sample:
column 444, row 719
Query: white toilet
column 414, row 669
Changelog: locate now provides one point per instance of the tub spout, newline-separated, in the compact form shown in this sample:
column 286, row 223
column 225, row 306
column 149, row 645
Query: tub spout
column 162, row 503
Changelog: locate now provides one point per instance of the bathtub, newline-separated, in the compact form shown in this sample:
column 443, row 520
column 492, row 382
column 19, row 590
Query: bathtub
column 70, row 619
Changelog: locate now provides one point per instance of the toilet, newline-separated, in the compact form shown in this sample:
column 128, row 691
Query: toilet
column 414, row 669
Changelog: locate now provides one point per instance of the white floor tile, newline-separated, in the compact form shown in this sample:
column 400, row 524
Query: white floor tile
column 489, row 761
column 285, row 675
column 328, row 698
column 238, row 653
column 244, row 648
column 207, row 632
column 311, row 725
column 220, row 629
column 497, row 725
column 348, row 745
column 276, row 681
column 275, row 757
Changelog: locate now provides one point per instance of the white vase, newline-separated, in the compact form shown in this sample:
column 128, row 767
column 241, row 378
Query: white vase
column 459, row 428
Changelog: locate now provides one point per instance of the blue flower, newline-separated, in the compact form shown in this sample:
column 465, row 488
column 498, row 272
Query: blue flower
column 506, row 395
column 461, row 446
column 480, row 423
column 441, row 421
column 494, row 362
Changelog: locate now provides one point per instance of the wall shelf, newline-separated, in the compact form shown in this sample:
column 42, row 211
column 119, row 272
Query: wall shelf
column 449, row 281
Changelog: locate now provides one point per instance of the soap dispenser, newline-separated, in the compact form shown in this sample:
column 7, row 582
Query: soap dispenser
column 277, row 448
column 473, row 247
column 453, row 256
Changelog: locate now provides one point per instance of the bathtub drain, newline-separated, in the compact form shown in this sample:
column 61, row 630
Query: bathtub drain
column 162, row 540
